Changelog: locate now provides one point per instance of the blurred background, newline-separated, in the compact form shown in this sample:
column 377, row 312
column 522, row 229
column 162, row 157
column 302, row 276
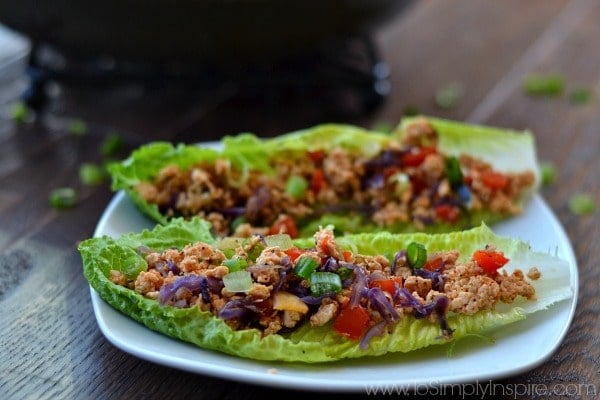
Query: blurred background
column 322, row 57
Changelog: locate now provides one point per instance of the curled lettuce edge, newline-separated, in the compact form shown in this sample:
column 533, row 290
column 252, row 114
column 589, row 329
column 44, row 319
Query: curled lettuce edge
column 507, row 150
column 311, row 344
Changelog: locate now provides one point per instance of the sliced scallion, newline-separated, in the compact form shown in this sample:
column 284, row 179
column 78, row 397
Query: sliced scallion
column 77, row 127
column 324, row 282
column 281, row 240
column 235, row 264
column 64, row 197
column 416, row 255
column 91, row 174
column 296, row 186
column 548, row 172
column 238, row 281
column 582, row 204
column 543, row 84
column 453, row 172
column 305, row 266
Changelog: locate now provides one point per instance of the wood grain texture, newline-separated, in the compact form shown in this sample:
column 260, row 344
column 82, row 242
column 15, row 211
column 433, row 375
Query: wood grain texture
column 50, row 344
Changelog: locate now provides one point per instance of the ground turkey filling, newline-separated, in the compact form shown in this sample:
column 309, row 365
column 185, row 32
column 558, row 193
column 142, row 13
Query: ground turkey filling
column 362, row 295
column 407, row 182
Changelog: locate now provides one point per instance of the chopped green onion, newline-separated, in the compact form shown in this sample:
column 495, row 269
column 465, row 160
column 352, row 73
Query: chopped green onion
column 91, row 174
column 111, row 145
column 77, row 127
column 238, row 281
column 296, row 186
column 281, row 240
column 235, row 264
column 449, row 95
column 344, row 272
column 305, row 266
column 65, row 197
column 324, row 282
column 416, row 255
column 543, row 84
column 581, row 96
column 228, row 245
column 19, row 112
column 453, row 172
column 582, row 204
column 548, row 173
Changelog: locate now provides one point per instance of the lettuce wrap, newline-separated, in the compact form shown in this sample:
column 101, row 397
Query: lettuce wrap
column 393, row 188
column 106, row 257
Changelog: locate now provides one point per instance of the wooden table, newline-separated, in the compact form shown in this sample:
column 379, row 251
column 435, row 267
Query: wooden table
column 51, row 346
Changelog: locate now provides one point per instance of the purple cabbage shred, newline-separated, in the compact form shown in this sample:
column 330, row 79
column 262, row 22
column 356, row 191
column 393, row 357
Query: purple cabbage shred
column 190, row 282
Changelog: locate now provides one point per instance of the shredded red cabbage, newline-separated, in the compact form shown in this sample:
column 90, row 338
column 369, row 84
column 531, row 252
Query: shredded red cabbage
column 397, row 257
column 190, row 282
column 359, row 287
column 237, row 309
column 382, row 304
column 437, row 279
column 316, row 300
column 376, row 330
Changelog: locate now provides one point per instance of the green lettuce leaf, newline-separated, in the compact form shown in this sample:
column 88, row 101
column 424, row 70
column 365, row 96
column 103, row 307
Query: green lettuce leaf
column 308, row 344
column 507, row 150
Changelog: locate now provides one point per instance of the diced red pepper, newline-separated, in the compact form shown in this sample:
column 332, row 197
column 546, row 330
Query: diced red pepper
column 347, row 255
column 490, row 261
column 435, row 264
column 293, row 253
column 352, row 322
column 416, row 156
column 317, row 181
column 316, row 156
column 284, row 225
column 387, row 284
column 447, row 212
column 494, row 180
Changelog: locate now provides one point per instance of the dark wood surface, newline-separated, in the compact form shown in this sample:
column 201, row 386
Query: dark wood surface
column 50, row 343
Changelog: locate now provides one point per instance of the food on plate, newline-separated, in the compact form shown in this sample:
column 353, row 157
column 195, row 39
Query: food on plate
column 428, row 175
column 321, row 298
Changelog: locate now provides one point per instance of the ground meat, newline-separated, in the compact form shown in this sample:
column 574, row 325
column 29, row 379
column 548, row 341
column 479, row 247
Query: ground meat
column 417, row 284
column 325, row 243
column 291, row 318
column 327, row 311
column 341, row 172
column 468, row 290
column 467, row 286
column 514, row 285
column 419, row 131
column 148, row 281
column 534, row 273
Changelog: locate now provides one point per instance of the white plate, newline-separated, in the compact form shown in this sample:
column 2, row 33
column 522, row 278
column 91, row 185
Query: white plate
column 518, row 347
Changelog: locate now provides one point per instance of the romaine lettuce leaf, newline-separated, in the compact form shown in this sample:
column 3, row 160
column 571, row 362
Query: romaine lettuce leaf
column 308, row 344
column 507, row 150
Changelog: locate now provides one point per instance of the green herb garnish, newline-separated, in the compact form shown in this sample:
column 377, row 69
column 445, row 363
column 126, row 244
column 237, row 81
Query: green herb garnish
column 582, row 204
column 449, row 95
column 19, row 112
column 543, row 85
column 581, row 96
column 77, row 127
column 92, row 174
column 111, row 145
column 64, row 197
column 548, row 172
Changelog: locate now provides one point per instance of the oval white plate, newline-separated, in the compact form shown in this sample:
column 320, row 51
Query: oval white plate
column 517, row 348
